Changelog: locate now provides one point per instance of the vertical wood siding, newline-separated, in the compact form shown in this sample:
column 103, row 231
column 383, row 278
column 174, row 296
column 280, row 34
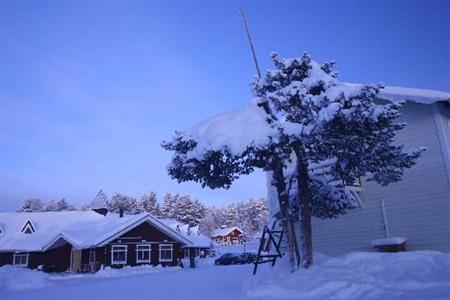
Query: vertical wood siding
column 417, row 208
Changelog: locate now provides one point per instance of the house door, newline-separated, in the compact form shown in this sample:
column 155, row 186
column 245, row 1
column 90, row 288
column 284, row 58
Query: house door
column 75, row 260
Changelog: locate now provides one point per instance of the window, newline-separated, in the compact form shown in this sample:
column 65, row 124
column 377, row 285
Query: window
column 28, row 228
column 20, row 259
column 92, row 255
column 119, row 255
column 165, row 252
column 143, row 253
column 186, row 252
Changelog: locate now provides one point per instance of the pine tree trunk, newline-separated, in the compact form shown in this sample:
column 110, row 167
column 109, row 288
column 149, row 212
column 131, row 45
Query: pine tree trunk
column 304, row 202
column 286, row 215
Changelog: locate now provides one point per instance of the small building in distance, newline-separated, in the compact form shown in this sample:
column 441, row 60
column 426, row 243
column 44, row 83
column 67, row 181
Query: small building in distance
column 228, row 235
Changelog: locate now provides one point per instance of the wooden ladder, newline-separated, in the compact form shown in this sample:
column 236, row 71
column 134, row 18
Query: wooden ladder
column 274, row 237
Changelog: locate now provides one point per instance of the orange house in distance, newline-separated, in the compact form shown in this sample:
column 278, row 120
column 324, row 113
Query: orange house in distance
column 228, row 236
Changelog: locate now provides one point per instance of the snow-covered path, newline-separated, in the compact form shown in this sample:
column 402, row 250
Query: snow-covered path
column 409, row 275
column 201, row 283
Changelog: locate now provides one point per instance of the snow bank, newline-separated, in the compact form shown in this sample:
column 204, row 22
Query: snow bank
column 16, row 278
column 359, row 275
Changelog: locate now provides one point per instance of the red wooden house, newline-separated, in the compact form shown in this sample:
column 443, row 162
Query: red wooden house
column 85, row 241
column 228, row 236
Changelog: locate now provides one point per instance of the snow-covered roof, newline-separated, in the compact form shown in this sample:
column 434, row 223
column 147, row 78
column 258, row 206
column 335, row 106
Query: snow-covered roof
column 81, row 229
column 224, row 231
column 197, row 239
column 395, row 94
column 400, row 94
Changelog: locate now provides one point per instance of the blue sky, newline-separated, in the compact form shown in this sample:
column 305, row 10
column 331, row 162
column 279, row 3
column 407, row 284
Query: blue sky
column 88, row 90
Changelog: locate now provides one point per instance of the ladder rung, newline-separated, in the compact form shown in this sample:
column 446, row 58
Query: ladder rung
column 269, row 255
column 264, row 261
column 274, row 238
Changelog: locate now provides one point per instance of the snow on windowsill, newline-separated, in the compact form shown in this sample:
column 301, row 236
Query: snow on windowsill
column 388, row 241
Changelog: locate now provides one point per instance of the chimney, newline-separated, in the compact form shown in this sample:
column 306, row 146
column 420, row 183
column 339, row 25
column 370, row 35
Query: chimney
column 102, row 211
column 121, row 213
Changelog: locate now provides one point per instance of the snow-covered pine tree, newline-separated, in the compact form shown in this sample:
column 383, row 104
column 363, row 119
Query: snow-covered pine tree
column 301, row 115
column 31, row 205
column 256, row 215
column 168, row 207
column 213, row 219
column 232, row 215
column 85, row 207
column 198, row 212
column 59, row 205
column 119, row 202
column 208, row 222
column 334, row 122
column 135, row 208
column 183, row 208
column 51, row 206
column 149, row 203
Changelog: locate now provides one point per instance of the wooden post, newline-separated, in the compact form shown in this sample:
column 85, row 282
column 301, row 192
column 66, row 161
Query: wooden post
column 244, row 19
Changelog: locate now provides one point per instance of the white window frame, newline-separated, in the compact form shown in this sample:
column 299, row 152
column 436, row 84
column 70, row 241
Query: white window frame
column 17, row 254
column 92, row 258
column 186, row 252
column 171, row 252
column 119, row 248
column 148, row 248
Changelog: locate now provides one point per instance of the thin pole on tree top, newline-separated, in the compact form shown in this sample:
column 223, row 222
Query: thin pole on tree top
column 244, row 19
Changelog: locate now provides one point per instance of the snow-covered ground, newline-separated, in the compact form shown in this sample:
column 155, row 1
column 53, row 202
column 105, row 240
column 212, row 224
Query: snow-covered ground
column 409, row 275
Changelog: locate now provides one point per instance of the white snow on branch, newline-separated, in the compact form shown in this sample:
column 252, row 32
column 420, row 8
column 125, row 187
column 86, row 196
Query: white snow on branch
column 236, row 130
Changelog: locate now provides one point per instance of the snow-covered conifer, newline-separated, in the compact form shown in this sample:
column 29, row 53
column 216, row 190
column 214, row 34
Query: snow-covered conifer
column 168, row 207
column 31, row 205
column 59, row 205
column 119, row 202
column 149, row 203
column 302, row 115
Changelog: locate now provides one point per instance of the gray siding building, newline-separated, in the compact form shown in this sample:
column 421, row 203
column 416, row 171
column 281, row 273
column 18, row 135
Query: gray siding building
column 416, row 208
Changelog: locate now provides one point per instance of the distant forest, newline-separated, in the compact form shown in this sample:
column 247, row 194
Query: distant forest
column 250, row 215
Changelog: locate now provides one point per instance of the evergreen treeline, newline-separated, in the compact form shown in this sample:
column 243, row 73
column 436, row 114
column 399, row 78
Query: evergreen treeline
column 250, row 215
